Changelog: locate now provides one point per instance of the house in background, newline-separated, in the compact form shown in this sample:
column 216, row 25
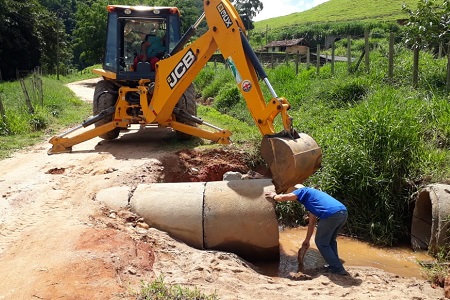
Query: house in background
column 288, row 46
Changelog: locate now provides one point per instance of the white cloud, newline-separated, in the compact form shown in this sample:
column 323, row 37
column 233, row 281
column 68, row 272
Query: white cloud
column 276, row 8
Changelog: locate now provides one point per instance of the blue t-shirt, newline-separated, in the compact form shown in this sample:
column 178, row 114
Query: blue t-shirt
column 156, row 46
column 318, row 203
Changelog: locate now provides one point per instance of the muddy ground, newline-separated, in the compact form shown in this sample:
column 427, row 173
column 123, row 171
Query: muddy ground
column 58, row 242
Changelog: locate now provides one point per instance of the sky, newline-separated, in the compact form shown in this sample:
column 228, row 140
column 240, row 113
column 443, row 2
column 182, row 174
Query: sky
column 276, row 8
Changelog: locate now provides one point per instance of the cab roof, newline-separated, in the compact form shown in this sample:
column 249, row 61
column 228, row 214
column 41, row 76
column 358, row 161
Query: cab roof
column 128, row 9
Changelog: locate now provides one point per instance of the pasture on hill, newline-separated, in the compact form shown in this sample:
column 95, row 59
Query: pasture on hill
column 342, row 11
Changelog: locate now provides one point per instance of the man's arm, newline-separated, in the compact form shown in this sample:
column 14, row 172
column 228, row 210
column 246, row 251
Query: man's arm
column 144, row 47
column 309, row 233
column 281, row 197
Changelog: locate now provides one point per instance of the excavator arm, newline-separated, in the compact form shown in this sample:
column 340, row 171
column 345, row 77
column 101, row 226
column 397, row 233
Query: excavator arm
column 292, row 157
column 225, row 33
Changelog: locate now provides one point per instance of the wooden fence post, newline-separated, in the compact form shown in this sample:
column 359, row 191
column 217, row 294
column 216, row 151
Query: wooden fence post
column 297, row 59
column 27, row 96
column 318, row 59
column 363, row 53
column 391, row 56
column 349, row 57
column 366, row 49
column 40, row 91
column 332, row 57
column 448, row 67
column 308, row 58
column 416, row 67
column 2, row 110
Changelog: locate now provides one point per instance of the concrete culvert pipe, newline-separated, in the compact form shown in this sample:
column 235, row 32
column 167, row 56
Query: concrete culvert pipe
column 431, row 218
column 232, row 216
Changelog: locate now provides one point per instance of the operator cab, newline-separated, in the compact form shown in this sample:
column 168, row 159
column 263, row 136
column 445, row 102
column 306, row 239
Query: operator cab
column 128, row 28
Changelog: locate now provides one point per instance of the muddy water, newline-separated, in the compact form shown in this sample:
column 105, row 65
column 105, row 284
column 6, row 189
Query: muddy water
column 400, row 261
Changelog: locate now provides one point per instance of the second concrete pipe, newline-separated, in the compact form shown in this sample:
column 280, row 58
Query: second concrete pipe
column 232, row 216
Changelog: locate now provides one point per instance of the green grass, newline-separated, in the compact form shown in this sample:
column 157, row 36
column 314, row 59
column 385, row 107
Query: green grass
column 61, row 108
column 438, row 271
column 159, row 290
column 78, row 75
column 341, row 11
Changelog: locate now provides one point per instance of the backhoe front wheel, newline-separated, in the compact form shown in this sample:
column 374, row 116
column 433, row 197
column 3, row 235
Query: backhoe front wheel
column 105, row 96
column 188, row 104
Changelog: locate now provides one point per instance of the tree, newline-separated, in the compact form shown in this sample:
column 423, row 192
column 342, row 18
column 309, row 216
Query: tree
column 429, row 24
column 56, row 47
column 65, row 10
column 57, row 28
column 23, row 33
column 190, row 10
column 90, row 32
column 248, row 9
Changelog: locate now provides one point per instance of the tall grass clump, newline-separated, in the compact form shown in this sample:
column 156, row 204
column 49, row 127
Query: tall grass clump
column 373, row 154
column 20, row 127
column 205, row 77
column 344, row 93
column 209, row 85
column 228, row 96
column 159, row 290
column 438, row 271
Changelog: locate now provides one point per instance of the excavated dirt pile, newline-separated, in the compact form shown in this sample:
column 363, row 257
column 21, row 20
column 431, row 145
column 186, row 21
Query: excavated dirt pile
column 194, row 166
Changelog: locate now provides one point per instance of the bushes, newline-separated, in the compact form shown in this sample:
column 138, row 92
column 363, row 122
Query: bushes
column 228, row 96
column 18, row 119
column 213, row 84
column 20, row 128
column 345, row 93
column 373, row 156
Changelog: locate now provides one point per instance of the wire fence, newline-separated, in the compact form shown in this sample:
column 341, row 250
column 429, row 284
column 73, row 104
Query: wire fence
column 355, row 60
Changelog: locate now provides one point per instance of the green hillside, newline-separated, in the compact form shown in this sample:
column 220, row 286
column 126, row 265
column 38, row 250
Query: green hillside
column 342, row 10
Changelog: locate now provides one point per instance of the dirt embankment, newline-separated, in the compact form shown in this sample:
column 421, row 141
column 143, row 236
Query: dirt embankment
column 58, row 242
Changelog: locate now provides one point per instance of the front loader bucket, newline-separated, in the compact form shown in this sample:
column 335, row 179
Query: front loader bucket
column 291, row 160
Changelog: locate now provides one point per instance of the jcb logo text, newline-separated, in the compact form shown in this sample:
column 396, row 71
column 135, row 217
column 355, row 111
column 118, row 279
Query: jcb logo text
column 181, row 69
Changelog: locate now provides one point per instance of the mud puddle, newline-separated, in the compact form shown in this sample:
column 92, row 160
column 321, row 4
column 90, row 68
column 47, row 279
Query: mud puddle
column 400, row 261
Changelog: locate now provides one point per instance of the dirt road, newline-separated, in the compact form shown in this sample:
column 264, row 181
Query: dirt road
column 58, row 242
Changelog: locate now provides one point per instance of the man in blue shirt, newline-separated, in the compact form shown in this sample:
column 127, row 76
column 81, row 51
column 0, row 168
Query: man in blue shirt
column 152, row 48
column 332, row 215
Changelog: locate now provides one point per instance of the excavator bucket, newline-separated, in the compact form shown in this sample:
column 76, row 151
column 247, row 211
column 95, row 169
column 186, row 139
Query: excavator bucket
column 291, row 160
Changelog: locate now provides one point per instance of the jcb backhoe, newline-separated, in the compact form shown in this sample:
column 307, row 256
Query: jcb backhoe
column 159, row 90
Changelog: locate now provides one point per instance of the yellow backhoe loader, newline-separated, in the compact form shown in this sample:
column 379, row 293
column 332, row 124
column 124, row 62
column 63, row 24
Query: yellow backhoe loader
column 148, row 71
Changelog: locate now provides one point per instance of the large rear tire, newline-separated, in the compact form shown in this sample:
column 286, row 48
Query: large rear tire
column 188, row 104
column 103, row 101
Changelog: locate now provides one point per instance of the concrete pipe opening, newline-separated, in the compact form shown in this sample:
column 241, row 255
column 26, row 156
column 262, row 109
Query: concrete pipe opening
column 431, row 216
column 232, row 216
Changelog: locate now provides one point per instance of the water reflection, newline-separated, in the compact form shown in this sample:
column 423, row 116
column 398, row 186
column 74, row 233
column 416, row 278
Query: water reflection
column 400, row 261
